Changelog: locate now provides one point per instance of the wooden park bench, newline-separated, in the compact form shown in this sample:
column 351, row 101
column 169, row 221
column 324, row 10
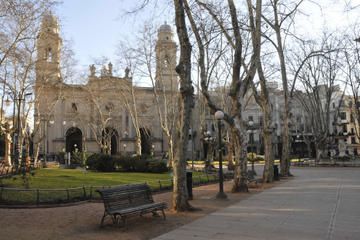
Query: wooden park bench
column 129, row 200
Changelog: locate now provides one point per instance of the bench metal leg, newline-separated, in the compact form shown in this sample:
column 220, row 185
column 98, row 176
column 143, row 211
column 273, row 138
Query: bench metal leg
column 114, row 218
column 163, row 212
column 102, row 220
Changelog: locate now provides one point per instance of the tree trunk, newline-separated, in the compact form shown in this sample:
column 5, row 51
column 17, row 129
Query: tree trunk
column 318, row 153
column 19, row 149
column 180, row 194
column 285, row 161
column 36, row 152
column 7, row 149
column 240, row 171
column 171, row 151
column 209, row 157
column 138, row 144
column 308, row 146
column 27, row 151
column 268, row 175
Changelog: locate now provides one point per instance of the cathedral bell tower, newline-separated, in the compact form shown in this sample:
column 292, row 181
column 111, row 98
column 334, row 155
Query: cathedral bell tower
column 49, row 48
column 166, row 49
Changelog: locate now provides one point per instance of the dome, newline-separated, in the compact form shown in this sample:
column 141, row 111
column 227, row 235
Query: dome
column 165, row 28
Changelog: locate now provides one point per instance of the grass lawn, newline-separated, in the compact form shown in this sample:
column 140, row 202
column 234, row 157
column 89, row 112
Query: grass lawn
column 73, row 185
column 54, row 178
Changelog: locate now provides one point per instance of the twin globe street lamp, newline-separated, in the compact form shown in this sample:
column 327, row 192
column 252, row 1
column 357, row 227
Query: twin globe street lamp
column 219, row 115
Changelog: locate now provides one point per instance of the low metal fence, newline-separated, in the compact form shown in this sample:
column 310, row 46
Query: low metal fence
column 38, row 197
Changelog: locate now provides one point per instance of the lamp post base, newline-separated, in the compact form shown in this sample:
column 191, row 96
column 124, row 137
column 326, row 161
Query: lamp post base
column 221, row 195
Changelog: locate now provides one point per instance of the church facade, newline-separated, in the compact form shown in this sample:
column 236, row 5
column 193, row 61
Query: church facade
column 105, row 114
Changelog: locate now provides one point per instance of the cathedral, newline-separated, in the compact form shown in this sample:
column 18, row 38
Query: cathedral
column 105, row 114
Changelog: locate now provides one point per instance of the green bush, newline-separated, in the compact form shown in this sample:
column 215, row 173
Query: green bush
column 79, row 158
column 101, row 162
column 76, row 158
column 157, row 166
column 141, row 163
column 61, row 157
column 137, row 163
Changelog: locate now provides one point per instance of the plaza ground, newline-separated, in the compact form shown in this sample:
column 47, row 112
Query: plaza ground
column 318, row 203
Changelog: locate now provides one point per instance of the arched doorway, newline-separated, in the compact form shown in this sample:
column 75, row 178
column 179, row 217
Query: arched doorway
column 73, row 139
column 112, row 135
column 145, row 141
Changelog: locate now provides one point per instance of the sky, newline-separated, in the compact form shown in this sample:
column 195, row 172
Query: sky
column 95, row 27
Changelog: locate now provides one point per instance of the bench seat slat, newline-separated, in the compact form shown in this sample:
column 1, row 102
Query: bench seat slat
column 151, row 206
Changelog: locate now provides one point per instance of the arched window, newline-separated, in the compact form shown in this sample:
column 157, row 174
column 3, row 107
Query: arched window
column 48, row 55
column 74, row 107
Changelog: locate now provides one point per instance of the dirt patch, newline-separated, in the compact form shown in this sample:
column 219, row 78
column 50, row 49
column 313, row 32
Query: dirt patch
column 83, row 221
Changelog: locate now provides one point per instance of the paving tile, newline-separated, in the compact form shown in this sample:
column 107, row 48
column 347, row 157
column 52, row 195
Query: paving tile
column 319, row 203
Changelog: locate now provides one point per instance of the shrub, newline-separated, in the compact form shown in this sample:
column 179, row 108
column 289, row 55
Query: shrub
column 61, row 157
column 157, row 166
column 79, row 158
column 101, row 162
column 76, row 158
column 141, row 163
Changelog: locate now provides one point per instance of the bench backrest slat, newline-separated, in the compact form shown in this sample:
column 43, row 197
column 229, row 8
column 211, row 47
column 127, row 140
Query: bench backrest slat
column 125, row 196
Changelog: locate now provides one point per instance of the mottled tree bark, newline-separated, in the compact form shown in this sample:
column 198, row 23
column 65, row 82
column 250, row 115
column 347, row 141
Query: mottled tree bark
column 268, row 175
column 263, row 98
column 285, row 161
column 240, row 171
column 180, row 195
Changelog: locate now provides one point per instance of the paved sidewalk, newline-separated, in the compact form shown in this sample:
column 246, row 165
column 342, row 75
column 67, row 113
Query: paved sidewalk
column 319, row 203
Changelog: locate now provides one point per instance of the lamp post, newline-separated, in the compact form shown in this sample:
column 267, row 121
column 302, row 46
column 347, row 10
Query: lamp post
column 219, row 115
column 251, row 131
